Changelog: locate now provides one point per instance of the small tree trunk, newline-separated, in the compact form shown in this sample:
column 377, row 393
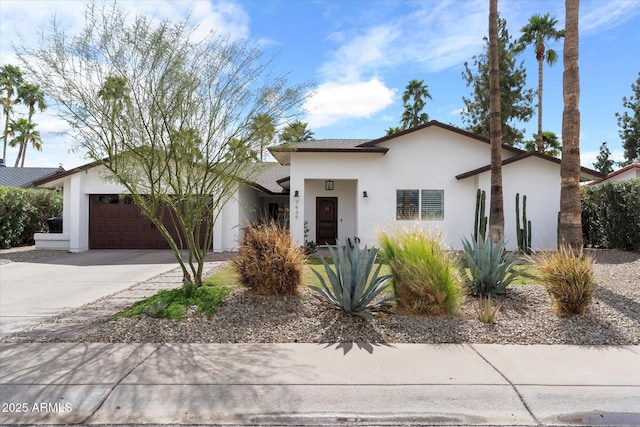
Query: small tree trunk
column 570, row 208
column 496, row 213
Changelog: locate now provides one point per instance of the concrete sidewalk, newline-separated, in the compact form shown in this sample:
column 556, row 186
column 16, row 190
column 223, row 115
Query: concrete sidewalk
column 319, row 384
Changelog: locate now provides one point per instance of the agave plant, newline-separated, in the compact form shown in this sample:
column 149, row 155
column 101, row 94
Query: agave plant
column 352, row 288
column 490, row 267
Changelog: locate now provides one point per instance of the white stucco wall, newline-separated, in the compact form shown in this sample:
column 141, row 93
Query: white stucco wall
column 426, row 159
column 539, row 180
column 78, row 187
column 631, row 173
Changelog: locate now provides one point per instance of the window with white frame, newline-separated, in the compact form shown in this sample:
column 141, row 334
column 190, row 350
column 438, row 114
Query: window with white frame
column 425, row 205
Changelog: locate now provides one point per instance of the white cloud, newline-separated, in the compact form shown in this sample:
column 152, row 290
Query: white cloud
column 607, row 15
column 433, row 38
column 333, row 102
column 24, row 19
column 588, row 158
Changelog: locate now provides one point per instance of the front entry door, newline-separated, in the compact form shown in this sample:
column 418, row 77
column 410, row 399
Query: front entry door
column 326, row 220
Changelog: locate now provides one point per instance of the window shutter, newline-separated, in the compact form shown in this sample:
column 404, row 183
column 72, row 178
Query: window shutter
column 432, row 203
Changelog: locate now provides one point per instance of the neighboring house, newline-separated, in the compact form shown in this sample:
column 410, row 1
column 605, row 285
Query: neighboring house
column 628, row 172
column 338, row 190
column 23, row 177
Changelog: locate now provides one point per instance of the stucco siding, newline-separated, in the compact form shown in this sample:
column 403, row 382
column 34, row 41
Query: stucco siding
column 539, row 180
column 429, row 159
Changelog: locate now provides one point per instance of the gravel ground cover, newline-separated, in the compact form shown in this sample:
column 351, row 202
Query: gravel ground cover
column 526, row 317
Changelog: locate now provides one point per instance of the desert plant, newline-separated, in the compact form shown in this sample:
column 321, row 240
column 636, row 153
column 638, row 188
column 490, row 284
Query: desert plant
column 426, row 278
column 523, row 233
column 568, row 277
column 268, row 262
column 490, row 268
column 486, row 311
column 480, row 224
column 353, row 288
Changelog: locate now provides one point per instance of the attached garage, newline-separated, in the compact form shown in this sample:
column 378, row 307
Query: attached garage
column 115, row 222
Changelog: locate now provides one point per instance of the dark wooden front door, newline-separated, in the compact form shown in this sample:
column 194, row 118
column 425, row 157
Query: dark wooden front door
column 326, row 220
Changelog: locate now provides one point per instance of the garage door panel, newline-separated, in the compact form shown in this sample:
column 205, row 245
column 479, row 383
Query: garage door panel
column 116, row 223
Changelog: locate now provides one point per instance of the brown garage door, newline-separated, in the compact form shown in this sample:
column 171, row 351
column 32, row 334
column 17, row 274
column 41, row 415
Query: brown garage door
column 115, row 222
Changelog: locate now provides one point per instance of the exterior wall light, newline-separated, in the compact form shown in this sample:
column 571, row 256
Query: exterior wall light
column 296, row 194
column 364, row 194
column 329, row 185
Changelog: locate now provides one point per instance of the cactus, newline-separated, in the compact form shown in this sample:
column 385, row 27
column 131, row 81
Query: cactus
column 480, row 225
column 523, row 233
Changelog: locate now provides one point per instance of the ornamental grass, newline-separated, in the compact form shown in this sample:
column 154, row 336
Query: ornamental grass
column 568, row 276
column 268, row 262
column 426, row 278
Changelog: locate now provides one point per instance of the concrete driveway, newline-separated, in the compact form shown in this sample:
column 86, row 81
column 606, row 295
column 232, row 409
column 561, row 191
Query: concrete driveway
column 32, row 291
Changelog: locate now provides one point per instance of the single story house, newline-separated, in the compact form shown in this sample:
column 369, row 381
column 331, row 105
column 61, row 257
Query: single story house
column 631, row 171
column 336, row 190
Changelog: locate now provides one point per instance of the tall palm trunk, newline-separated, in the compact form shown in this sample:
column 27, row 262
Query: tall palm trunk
column 496, row 213
column 539, row 142
column 570, row 208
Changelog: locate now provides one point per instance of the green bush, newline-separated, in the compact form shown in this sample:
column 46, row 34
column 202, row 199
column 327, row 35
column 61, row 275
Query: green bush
column 426, row 278
column 23, row 212
column 268, row 262
column 611, row 215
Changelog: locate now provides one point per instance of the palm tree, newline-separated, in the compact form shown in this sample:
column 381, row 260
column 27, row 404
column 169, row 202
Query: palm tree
column 570, row 208
column 263, row 130
column 496, row 213
column 295, row 132
column 10, row 80
column 540, row 30
column 115, row 94
column 31, row 96
column 393, row 129
column 412, row 116
column 550, row 141
column 23, row 132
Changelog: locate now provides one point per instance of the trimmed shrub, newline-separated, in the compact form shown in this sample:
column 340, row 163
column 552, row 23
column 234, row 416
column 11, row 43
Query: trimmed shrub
column 569, row 279
column 23, row 212
column 268, row 262
column 426, row 279
column 611, row 215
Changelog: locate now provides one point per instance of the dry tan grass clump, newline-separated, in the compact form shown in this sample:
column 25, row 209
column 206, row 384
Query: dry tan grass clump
column 568, row 276
column 268, row 262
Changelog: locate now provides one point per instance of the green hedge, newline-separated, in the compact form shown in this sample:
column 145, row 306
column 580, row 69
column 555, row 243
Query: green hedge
column 611, row 215
column 24, row 212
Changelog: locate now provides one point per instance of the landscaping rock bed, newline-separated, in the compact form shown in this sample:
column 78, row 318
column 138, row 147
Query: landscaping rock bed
column 526, row 317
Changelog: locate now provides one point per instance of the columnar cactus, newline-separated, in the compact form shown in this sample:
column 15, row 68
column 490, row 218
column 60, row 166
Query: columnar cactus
column 524, row 232
column 480, row 225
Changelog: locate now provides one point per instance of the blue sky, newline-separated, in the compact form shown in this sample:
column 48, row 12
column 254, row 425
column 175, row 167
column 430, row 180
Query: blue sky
column 361, row 54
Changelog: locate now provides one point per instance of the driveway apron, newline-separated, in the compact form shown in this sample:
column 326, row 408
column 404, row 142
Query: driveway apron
column 31, row 292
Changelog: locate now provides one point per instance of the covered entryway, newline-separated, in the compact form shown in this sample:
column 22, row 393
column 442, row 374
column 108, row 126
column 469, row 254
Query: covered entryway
column 115, row 222
column 326, row 220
